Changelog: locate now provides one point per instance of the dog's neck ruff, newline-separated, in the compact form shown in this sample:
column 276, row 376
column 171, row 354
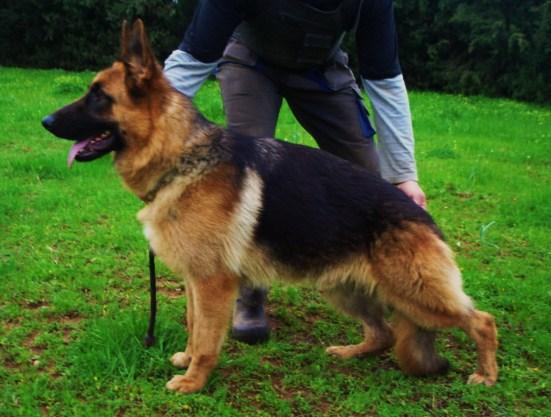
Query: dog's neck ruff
column 191, row 164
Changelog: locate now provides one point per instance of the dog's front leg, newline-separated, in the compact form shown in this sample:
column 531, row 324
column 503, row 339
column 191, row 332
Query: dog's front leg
column 183, row 359
column 212, row 303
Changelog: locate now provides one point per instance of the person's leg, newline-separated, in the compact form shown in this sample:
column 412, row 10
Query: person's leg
column 251, row 100
column 251, row 103
column 338, row 122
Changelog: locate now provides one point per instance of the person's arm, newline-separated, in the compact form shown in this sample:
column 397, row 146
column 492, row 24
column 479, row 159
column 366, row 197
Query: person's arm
column 382, row 79
column 186, row 73
column 393, row 119
column 213, row 22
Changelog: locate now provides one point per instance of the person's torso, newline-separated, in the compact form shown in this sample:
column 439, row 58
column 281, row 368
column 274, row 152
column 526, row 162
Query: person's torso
column 298, row 34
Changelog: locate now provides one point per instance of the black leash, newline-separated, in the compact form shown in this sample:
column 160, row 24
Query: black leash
column 150, row 338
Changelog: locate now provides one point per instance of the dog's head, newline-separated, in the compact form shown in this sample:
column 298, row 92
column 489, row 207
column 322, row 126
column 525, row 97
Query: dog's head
column 116, row 112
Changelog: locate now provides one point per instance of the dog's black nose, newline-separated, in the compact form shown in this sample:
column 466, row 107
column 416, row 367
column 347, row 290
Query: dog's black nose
column 48, row 122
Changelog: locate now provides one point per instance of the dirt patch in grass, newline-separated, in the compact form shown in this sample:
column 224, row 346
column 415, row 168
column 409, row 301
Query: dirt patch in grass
column 277, row 363
column 67, row 335
column 36, row 304
column 10, row 363
column 66, row 324
column 11, row 324
column 171, row 289
column 277, row 383
column 69, row 324
column 71, row 319
column 29, row 343
column 52, row 371
column 121, row 412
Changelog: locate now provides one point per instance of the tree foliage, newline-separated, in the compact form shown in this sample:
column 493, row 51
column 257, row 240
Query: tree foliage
column 83, row 34
column 492, row 47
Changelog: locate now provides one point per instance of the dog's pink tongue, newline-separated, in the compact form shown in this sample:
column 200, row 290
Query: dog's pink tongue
column 75, row 149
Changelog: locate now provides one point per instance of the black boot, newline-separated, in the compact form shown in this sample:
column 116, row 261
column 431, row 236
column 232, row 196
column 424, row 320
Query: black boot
column 249, row 319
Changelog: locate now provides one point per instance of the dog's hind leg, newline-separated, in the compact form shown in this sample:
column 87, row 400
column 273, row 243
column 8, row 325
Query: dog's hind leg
column 356, row 303
column 418, row 277
column 415, row 348
column 183, row 359
column 415, row 345
column 213, row 300
column 481, row 327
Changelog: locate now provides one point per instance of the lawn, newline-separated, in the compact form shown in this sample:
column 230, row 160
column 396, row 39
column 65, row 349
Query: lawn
column 74, row 300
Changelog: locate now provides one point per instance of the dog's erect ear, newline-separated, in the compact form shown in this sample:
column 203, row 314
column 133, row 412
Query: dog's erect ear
column 125, row 40
column 138, row 57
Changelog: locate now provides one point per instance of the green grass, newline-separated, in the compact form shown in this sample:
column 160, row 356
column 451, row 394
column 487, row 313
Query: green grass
column 73, row 286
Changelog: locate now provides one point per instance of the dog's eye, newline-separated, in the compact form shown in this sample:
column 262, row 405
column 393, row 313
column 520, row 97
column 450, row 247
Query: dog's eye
column 98, row 99
column 99, row 94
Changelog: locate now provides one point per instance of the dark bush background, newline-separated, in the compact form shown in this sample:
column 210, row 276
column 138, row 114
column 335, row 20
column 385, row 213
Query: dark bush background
column 83, row 34
column 491, row 47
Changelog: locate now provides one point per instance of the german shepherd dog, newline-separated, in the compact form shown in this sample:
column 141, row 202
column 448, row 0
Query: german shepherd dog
column 220, row 207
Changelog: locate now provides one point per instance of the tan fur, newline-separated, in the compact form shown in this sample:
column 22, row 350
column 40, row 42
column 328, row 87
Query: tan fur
column 203, row 213
column 183, row 359
column 202, row 224
column 210, row 323
column 415, row 350
column 417, row 275
column 378, row 336
column 239, row 238
column 415, row 270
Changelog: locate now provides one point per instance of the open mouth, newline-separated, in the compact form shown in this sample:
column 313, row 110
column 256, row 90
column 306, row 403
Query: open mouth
column 93, row 147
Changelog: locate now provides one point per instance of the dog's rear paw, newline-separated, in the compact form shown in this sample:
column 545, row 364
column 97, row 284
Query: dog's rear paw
column 478, row 378
column 184, row 384
column 343, row 352
column 181, row 359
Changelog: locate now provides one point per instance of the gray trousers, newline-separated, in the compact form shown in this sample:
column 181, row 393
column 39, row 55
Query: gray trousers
column 327, row 104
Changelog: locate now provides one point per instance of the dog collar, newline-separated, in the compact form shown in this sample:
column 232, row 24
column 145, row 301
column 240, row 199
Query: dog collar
column 191, row 164
column 165, row 180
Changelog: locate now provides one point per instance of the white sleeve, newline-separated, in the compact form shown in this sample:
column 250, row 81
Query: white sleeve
column 393, row 121
column 185, row 73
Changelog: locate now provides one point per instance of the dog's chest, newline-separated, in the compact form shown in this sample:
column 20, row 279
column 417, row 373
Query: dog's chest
column 205, row 231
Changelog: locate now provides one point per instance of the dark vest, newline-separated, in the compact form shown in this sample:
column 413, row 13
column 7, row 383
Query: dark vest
column 295, row 35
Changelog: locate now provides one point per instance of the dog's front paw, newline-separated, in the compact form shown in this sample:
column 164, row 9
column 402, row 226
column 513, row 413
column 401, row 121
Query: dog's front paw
column 181, row 359
column 185, row 384
column 478, row 378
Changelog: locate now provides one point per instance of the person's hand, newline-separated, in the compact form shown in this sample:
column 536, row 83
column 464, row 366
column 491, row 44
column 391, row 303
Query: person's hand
column 413, row 191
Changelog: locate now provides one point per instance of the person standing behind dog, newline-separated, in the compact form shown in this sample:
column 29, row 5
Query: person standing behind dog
column 266, row 50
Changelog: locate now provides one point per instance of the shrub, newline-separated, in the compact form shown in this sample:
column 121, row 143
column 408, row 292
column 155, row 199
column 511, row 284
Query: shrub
column 69, row 84
column 83, row 34
column 491, row 47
